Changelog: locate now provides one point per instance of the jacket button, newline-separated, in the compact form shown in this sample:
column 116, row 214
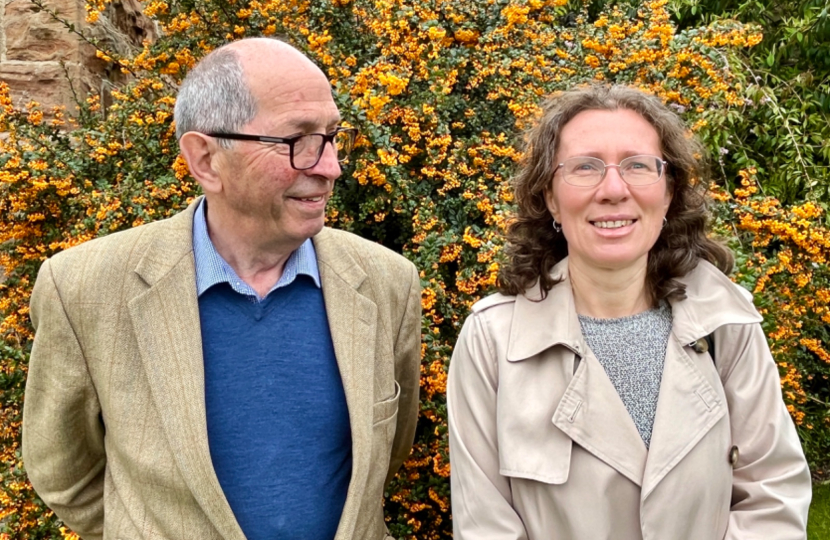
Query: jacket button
column 733, row 455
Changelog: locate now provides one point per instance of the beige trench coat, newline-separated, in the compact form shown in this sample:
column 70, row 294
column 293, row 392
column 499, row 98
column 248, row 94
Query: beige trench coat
column 543, row 448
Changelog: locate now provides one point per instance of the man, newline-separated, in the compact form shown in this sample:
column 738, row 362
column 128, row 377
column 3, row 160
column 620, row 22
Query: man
column 237, row 371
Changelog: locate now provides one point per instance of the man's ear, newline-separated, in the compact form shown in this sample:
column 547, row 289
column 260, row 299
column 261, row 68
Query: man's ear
column 200, row 151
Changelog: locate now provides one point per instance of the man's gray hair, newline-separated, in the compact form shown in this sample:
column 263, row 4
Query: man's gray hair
column 214, row 97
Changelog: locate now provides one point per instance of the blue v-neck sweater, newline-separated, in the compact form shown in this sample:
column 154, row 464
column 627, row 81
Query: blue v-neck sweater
column 277, row 420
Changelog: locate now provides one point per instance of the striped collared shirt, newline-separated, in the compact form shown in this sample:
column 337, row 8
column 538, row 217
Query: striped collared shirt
column 211, row 268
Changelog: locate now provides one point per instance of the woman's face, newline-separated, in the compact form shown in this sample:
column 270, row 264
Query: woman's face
column 611, row 225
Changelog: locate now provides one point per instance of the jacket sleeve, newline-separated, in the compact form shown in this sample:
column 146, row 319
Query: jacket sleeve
column 408, row 374
column 482, row 503
column 771, row 486
column 63, row 435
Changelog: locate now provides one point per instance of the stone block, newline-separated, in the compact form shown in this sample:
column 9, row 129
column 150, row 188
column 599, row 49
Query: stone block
column 32, row 35
column 47, row 83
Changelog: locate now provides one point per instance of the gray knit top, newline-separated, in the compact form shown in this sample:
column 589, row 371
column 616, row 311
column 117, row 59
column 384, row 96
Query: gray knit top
column 632, row 351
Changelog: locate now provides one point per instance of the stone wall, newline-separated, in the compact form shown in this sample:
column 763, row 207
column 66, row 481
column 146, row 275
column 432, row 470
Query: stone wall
column 42, row 60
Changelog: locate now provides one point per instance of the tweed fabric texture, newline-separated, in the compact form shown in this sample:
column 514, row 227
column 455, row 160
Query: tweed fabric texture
column 632, row 351
column 118, row 347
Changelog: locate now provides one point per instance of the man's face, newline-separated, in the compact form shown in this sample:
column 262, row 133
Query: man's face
column 260, row 188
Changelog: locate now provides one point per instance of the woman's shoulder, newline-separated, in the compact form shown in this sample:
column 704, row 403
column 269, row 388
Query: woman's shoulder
column 492, row 300
column 706, row 278
column 712, row 300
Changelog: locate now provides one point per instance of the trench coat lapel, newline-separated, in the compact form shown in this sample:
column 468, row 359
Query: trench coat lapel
column 691, row 398
column 590, row 412
column 688, row 407
column 352, row 321
column 166, row 324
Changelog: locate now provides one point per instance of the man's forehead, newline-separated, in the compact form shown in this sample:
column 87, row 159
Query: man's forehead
column 300, row 119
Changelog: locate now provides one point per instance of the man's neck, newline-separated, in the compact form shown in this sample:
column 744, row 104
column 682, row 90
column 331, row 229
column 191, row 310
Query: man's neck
column 256, row 260
column 609, row 293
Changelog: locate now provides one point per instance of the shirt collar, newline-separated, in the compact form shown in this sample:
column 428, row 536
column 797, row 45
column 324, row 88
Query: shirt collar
column 212, row 269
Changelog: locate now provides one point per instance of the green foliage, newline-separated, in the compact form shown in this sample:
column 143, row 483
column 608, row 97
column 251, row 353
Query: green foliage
column 784, row 131
column 818, row 527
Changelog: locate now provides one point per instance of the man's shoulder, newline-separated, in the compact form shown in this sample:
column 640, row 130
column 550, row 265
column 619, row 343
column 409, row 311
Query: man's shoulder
column 365, row 252
column 113, row 244
column 118, row 250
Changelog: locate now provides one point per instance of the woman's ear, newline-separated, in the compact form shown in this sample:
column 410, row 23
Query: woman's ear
column 550, row 202
column 200, row 151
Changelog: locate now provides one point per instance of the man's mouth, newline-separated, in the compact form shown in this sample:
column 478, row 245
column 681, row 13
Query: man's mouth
column 309, row 199
column 612, row 224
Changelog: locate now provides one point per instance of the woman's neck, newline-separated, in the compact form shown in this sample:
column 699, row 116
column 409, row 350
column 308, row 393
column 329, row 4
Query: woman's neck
column 609, row 293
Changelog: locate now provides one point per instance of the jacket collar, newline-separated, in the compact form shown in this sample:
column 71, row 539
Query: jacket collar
column 712, row 300
column 353, row 322
column 169, row 241
column 539, row 324
column 165, row 320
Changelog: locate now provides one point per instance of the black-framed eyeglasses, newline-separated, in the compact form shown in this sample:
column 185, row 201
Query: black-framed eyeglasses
column 586, row 171
column 304, row 150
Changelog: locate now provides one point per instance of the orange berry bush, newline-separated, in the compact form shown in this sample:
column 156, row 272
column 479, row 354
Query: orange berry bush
column 440, row 90
column 782, row 254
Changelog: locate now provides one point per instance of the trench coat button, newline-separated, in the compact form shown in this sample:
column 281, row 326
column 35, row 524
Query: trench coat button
column 733, row 455
column 700, row 346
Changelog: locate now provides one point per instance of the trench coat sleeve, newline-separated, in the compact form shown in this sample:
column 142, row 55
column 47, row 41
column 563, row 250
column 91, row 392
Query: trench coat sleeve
column 408, row 374
column 482, row 505
column 63, row 435
column 771, row 486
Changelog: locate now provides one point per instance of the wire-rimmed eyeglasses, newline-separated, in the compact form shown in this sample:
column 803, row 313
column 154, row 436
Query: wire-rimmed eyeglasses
column 586, row 171
column 304, row 150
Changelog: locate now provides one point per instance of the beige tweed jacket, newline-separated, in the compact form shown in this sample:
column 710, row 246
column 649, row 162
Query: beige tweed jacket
column 114, row 429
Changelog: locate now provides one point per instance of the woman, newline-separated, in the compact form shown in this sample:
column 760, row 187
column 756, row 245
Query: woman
column 582, row 402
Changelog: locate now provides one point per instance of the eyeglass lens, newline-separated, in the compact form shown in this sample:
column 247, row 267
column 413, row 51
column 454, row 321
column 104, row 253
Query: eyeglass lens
column 309, row 148
column 635, row 170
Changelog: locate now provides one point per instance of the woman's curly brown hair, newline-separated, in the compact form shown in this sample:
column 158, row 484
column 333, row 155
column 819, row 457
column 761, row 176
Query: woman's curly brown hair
column 533, row 247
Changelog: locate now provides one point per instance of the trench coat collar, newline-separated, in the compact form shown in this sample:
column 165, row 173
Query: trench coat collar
column 712, row 300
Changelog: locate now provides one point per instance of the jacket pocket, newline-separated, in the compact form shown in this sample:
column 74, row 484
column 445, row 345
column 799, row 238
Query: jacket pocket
column 386, row 409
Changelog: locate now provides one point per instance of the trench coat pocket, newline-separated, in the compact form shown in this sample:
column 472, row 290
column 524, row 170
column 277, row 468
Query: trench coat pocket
column 386, row 409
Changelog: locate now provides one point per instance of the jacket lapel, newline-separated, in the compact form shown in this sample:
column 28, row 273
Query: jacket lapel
column 590, row 412
column 691, row 401
column 687, row 408
column 166, row 324
column 352, row 321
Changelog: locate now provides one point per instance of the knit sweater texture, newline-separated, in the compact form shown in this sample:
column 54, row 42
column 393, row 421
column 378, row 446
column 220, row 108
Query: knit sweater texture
column 277, row 420
column 632, row 350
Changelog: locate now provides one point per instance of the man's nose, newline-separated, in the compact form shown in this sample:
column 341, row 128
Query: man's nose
column 328, row 166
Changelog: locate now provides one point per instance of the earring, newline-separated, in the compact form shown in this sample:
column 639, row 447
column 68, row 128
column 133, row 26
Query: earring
column 665, row 222
column 556, row 227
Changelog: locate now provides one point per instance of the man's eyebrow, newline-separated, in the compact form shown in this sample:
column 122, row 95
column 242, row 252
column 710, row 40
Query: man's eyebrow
column 307, row 125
